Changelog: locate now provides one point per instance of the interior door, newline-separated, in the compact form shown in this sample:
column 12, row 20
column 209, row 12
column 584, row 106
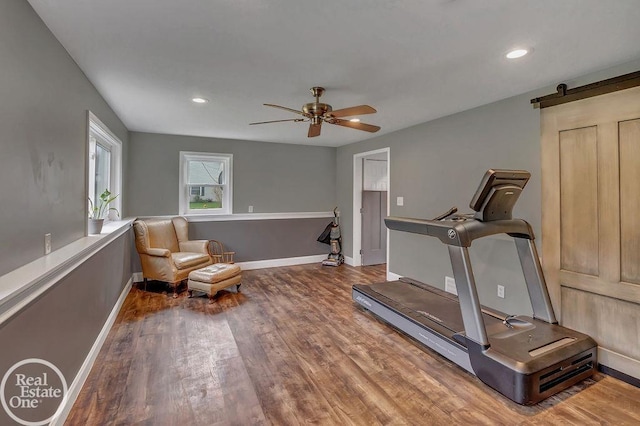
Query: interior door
column 374, row 232
column 591, row 221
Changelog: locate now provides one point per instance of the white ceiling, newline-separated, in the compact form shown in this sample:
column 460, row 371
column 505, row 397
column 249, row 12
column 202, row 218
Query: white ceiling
column 412, row 60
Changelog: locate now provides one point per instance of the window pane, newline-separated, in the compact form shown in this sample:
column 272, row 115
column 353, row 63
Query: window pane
column 205, row 172
column 205, row 197
column 103, row 167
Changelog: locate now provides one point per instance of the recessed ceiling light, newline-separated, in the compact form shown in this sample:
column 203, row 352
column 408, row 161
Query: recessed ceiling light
column 355, row 120
column 200, row 100
column 517, row 53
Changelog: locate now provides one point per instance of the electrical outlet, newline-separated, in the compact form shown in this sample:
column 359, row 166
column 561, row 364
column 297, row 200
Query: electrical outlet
column 450, row 285
column 47, row 243
column 400, row 201
column 501, row 291
column 250, row 209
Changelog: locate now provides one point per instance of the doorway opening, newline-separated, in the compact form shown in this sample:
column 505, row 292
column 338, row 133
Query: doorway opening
column 371, row 171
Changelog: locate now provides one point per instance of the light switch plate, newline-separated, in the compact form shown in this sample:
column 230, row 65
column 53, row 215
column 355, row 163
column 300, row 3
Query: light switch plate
column 400, row 201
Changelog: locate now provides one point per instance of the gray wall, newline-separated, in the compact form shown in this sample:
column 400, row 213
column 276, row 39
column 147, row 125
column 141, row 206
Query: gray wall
column 44, row 97
column 271, row 177
column 265, row 239
column 439, row 164
column 62, row 325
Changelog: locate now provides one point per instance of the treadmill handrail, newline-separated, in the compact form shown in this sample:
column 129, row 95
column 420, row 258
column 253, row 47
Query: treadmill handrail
column 460, row 233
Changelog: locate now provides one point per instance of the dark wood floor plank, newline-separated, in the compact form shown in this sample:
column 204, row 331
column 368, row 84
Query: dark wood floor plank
column 292, row 348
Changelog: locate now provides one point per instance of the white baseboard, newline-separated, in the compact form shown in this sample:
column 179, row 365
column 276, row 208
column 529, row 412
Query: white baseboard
column 392, row 276
column 619, row 362
column 349, row 261
column 85, row 369
column 274, row 263
column 270, row 263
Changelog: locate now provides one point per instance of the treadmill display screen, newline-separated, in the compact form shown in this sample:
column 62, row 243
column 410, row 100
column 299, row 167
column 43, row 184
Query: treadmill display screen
column 497, row 194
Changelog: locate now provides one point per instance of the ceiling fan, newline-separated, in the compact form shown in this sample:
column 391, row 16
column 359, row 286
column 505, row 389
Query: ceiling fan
column 317, row 112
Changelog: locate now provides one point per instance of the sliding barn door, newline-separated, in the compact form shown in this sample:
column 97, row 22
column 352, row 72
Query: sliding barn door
column 591, row 221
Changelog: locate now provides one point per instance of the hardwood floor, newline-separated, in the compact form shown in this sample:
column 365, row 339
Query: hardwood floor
column 292, row 348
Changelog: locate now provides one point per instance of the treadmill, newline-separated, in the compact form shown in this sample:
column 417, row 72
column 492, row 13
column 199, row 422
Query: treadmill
column 527, row 359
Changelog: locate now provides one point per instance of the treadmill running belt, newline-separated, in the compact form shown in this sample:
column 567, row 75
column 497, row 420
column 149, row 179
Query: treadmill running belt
column 442, row 310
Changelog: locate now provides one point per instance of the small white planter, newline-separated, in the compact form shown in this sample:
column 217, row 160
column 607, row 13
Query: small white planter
column 95, row 226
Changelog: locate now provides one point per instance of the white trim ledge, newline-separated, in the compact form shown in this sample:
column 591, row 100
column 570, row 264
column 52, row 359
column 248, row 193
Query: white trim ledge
column 85, row 369
column 247, row 216
column 21, row 286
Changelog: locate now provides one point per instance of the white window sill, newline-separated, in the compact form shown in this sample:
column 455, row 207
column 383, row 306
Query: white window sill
column 20, row 286
column 113, row 226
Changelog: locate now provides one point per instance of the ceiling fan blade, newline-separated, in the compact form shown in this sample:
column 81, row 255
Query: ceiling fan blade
column 295, row 111
column 277, row 121
column 354, row 110
column 359, row 126
column 314, row 130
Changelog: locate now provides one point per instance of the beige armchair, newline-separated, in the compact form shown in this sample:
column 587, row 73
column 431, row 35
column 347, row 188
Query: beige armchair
column 165, row 251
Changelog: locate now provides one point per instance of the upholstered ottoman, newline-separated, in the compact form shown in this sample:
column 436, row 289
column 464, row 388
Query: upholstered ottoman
column 213, row 278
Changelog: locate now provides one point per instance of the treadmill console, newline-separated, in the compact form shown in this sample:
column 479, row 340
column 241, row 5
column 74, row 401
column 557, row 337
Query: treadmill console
column 497, row 194
column 493, row 203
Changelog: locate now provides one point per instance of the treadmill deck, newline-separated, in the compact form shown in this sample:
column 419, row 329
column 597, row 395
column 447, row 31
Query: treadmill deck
column 428, row 306
column 438, row 311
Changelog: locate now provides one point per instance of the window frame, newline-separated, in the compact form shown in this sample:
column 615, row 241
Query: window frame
column 99, row 134
column 185, row 188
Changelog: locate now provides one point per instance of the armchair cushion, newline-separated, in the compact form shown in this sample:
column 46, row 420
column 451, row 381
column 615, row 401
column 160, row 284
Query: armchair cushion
column 184, row 260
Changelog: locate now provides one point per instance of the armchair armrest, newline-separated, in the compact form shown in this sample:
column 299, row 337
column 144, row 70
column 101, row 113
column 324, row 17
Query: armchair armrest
column 195, row 246
column 158, row 252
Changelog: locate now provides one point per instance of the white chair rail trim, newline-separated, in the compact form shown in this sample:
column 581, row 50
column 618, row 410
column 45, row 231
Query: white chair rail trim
column 23, row 285
column 247, row 216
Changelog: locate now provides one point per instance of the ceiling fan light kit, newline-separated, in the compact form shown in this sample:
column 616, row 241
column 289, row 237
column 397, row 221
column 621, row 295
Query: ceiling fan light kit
column 317, row 112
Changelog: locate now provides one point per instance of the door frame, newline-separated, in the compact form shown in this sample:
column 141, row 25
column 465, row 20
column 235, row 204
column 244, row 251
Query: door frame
column 357, row 201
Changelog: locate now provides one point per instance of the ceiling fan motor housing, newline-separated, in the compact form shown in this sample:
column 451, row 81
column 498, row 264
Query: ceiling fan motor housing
column 316, row 109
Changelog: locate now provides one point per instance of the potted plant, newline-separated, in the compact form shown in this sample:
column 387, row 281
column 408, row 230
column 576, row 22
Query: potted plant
column 99, row 210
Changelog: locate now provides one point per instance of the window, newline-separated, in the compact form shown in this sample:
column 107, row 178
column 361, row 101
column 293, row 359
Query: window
column 105, row 163
column 205, row 183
